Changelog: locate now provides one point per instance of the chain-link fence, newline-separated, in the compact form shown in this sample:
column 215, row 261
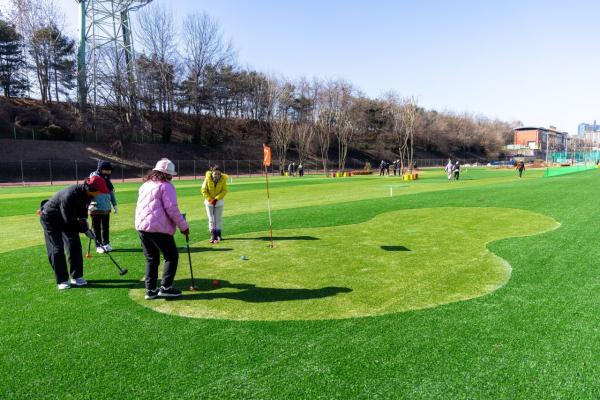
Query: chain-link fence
column 51, row 171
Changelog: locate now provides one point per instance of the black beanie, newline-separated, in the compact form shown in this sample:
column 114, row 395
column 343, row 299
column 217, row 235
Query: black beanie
column 104, row 165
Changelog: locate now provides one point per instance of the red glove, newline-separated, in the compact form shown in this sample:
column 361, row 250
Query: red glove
column 186, row 233
column 213, row 202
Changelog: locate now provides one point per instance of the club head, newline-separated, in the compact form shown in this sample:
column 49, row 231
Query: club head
column 193, row 289
column 123, row 272
column 88, row 255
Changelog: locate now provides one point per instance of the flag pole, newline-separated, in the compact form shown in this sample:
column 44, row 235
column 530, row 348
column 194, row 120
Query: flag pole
column 266, row 163
column 269, row 206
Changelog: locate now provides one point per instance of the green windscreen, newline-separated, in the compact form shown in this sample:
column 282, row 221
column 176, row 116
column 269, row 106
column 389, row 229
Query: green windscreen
column 570, row 162
column 556, row 171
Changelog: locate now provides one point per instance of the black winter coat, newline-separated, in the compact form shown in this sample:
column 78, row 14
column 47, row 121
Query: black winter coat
column 68, row 209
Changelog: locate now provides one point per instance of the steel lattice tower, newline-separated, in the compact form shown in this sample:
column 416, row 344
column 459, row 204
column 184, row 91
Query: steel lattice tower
column 106, row 57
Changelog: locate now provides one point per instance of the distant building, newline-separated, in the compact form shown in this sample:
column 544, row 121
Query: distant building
column 533, row 142
column 535, row 138
column 592, row 139
column 584, row 128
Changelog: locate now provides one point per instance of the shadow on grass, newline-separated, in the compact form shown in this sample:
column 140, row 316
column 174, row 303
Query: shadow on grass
column 114, row 284
column 181, row 250
column 395, row 248
column 251, row 293
column 276, row 238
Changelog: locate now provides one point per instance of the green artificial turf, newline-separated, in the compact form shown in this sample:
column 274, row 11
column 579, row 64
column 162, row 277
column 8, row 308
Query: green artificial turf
column 397, row 261
column 535, row 337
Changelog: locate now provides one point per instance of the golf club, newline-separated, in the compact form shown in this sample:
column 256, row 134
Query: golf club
column 214, row 228
column 122, row 271
column 193, row 287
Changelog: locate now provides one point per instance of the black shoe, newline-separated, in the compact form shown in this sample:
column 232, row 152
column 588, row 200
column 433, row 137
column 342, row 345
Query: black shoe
column 169, row 292
column 151, row 294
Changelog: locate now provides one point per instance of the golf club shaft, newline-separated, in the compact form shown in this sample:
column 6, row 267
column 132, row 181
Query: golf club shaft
column 214, row 221
column 121, row 270
column 187, row 242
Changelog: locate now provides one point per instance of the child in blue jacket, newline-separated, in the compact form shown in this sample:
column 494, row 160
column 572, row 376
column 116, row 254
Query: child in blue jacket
column 100, row 210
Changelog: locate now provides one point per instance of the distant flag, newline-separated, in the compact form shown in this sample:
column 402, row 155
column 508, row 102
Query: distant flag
column 266, row 155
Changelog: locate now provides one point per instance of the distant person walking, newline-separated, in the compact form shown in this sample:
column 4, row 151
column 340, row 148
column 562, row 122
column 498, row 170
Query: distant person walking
column 300, row 170
column 157, row 218
column 456, row 170
column 102, row 206
column 382, row 168
column 214, row 189
column 449, row 169
column 521, row 168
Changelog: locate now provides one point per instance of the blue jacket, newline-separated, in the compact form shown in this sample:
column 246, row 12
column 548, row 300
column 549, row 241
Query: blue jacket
column 104, row 202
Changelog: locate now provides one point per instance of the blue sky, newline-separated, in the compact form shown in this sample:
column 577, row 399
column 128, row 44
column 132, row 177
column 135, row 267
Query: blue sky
column 533, row 61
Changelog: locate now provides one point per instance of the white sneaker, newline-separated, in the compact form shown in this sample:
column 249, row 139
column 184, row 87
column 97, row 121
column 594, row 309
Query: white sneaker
column 78, row 282
column 64, row 286
column 100, row 250
column 108, row 247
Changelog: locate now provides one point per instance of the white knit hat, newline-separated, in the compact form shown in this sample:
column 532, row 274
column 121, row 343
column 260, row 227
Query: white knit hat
column 166, row 166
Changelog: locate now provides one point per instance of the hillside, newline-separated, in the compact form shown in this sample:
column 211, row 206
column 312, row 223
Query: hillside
column 35, row 133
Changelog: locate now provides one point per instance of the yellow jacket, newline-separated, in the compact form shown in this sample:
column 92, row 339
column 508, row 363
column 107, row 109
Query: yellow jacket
column 212, row 191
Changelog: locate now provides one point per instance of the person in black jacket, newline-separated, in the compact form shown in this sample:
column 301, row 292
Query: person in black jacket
column 63, row 218
column 456, row 170
column 521, row 168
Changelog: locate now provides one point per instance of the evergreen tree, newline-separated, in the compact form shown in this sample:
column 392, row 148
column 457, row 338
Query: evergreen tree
column 54, row 56
column 64, row 65
column 13, row 79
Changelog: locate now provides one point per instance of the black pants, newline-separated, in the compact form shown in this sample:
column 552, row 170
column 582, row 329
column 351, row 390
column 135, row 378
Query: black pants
column 153, row 244
column 520, row 172
column 101, row 227
column 57, row 240
column 456, row 175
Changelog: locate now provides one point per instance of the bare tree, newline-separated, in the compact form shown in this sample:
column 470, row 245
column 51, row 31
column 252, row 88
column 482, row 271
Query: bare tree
column 338, row 100
column 409, row 113
column 303, row 137
column 283, row 131
column 393, row 110
column 158, row 37
column 204, row 47
column 323, row 129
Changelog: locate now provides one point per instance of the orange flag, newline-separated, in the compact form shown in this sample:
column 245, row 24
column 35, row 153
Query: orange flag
column 266, row 155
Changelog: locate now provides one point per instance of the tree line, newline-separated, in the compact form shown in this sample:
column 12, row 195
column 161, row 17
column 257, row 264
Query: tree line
column 192, row 69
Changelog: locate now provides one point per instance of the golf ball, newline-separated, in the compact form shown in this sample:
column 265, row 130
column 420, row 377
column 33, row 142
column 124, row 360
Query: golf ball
column 244, row 258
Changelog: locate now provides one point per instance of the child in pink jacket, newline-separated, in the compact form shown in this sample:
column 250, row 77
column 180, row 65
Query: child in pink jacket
column 157, row 218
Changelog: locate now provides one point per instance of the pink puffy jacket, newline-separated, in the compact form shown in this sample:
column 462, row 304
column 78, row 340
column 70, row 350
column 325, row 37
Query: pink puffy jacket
column 157, row 209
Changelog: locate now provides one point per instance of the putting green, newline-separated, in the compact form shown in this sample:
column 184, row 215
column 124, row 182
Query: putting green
column 397, row 261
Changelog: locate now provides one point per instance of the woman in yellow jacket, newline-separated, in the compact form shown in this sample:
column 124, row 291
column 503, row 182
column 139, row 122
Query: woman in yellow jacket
column 214, row 189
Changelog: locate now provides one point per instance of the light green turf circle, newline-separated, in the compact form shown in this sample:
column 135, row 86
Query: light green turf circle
column 398, row 261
